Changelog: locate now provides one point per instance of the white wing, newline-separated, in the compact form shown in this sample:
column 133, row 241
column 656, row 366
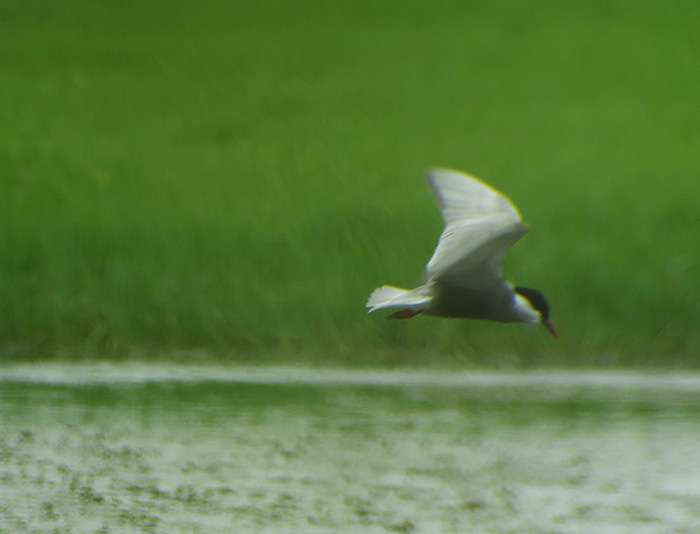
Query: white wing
column 481, row 225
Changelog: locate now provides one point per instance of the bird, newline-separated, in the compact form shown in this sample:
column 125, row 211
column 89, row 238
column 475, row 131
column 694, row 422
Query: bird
column 464, row 278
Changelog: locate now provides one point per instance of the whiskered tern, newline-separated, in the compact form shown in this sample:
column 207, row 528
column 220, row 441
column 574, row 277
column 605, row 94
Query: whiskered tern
column 464, row 275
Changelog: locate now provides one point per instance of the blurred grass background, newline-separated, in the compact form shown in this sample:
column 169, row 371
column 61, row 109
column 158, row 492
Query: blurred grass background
column 235, row 177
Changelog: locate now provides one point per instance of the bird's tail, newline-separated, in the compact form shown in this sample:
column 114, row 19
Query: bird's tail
column 396, row 297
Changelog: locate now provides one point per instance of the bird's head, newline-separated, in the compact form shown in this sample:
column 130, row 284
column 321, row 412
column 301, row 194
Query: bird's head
column 534, row 307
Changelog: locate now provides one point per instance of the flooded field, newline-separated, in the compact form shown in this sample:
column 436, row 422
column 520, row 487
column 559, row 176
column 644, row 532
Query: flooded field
column 139, row 448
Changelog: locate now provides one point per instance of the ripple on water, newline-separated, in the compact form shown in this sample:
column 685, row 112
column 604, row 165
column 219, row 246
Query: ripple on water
column 186, row 449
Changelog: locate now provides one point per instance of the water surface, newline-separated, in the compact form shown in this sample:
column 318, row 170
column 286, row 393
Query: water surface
column 153, row 448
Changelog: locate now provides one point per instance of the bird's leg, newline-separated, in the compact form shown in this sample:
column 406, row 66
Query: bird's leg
column 404, row 314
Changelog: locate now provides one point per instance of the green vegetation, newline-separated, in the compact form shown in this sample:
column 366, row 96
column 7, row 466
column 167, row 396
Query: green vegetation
column 238, row 176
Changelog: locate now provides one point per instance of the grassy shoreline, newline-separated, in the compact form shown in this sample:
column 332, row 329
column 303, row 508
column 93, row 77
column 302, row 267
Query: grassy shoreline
column 237, row 179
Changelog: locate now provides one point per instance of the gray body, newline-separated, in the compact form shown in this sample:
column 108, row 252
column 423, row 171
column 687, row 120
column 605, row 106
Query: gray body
column 495, row 304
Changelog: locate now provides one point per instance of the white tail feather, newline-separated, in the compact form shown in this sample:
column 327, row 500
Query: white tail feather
column 396, row 297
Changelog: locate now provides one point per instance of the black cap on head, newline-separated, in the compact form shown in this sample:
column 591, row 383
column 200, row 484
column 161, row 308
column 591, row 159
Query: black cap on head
column 537, row 300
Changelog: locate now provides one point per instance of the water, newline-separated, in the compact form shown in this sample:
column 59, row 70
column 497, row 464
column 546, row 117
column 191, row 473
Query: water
column 141, row 448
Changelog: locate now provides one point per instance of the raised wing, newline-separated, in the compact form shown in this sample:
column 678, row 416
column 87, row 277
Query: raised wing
column 481, row 225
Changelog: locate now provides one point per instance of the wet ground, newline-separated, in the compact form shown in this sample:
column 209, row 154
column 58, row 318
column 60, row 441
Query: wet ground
column 140, row 448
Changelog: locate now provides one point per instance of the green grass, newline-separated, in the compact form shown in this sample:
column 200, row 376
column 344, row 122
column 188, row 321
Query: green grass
column 238, row 176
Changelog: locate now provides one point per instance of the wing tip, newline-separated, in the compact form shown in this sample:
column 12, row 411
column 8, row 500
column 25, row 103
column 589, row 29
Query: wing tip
column 431, row 176
column 431, row 173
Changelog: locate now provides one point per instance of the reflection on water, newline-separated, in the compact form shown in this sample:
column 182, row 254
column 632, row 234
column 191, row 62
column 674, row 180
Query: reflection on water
column 162, row 453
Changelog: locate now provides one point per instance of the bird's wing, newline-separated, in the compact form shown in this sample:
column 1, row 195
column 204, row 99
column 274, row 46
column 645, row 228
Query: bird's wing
column 481, row 225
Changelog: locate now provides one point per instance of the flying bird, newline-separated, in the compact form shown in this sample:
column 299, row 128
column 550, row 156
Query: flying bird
column 464, row 276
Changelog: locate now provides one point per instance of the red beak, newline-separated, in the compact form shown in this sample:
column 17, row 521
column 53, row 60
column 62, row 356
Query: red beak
column 551, row 328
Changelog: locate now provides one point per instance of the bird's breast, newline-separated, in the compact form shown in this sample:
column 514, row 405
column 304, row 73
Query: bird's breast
column 495, row 304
